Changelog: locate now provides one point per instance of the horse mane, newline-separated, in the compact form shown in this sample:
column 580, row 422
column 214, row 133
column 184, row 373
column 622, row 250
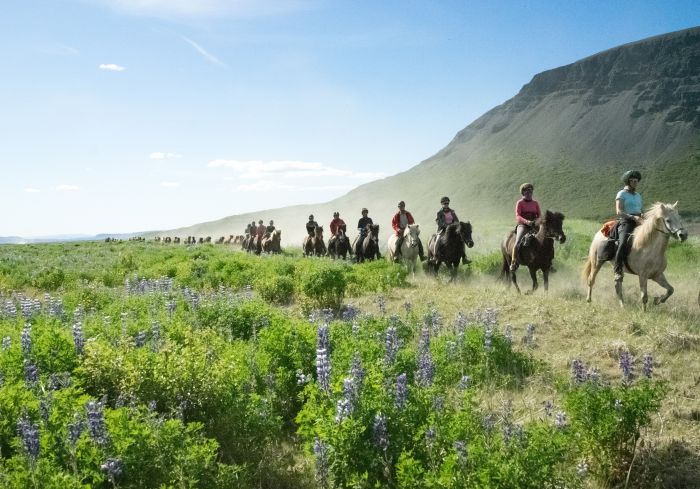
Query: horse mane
column 646, row 229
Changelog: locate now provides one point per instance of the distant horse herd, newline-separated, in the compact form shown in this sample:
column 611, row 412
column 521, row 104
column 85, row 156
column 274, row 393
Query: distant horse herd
column 646, row 257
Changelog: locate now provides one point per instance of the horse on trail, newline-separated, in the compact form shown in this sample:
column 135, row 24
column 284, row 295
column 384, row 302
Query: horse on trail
column 447, row 247
column 271, row 243
column 536, row 250
column 409, row 247
column 314, row 245
column 646, row 257
column 340, row 246
column 369, row 247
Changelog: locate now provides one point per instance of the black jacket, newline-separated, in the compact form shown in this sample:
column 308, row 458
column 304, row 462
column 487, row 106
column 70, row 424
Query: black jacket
column 362, row 225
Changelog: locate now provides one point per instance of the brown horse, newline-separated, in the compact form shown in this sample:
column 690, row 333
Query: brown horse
column 271, row 243
column 647, row 256
column 536, row 250
column 369, row 247
column 339, row 246
column 314, row 245
column 448, row 247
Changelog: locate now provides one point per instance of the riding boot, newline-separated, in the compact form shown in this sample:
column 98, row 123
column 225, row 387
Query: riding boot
column 465, row 260
column 397, row 252
column 421, row 254
column 514, row 260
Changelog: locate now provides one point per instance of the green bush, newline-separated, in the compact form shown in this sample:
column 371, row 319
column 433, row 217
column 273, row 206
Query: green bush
column 322, row 285
column 275, row 288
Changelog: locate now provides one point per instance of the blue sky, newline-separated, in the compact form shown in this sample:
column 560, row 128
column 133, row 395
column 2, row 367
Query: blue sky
column 130, row 115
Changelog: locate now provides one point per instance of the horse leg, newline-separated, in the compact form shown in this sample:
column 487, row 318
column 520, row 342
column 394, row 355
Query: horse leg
column 661, row 280
column 618, row 292
column 545, row 278
column 591, row 277
column 643, row 291
column 533, row 276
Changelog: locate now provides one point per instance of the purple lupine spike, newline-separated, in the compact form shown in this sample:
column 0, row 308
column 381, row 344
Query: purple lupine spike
column 408, row 307
column 548, row 406
column 322, row 462
column 560, row 420
column 578, row 372
column 78, row 338
column 529, row 338
column 401, row 393
column 356, row 370
column 430, row 436
column 26, row 339
column 155, row 336
column 380, row 436
column 323, row 364
column 426, row 368
column 350, row 313
column 75, row 429
column 29, row 433
column 140, row 339
column 97, row 428
column 488, row 422
column 31, row 373
column 508, row 334
column 392, row 345
column 460, row 447
column 488, row 339
column 648, row 365
column 113, row 468
column 464, row 382
column 626, row 366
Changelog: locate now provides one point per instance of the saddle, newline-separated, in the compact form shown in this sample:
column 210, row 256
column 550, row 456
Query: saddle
column 608, row 248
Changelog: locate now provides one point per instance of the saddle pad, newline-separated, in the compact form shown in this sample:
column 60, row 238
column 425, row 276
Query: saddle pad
column 607, row 227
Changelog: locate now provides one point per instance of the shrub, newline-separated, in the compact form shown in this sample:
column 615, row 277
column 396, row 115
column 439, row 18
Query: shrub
column 322, row 286
column 275, row 288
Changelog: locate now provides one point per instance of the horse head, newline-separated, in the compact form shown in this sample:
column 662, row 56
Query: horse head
column 465, row 232
column 374, row 231
column 411, row 233
column 318, row 232
column 553, row 225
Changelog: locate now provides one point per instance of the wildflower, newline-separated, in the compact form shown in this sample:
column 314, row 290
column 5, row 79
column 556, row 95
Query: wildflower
column 323, row 364
column 392, row 344
column 302, row 378
column 488, row 423
column 460, row 447
column 350, row 313
column 438, row 403
column 75, row 429
column 464, row 382
column 379, row 432
column 381, row 304
column 432, row 319
column 548, row 406
column 560, row 420
column 401, row 393
column 140, row 339
column 153, row 406
column 171, row 306
column 97, row 428
column 451, row 347
column 356, row 370
column 648, row 365
column 430, row 436
column 426, row 368
column 578, row 372
column 31, row 373
column 626, row 366
column 155, row 336
column 26, row 339
column 509, row 334
column 321, row 453
column 529, row 337
column 328, row 314
column 618, row 404
column 78, row 338
column 113, row 468
column 408, row 307
column 594, row 375
column 582, row 468
column 29, row 433
column 346, row 405
column 488, row 339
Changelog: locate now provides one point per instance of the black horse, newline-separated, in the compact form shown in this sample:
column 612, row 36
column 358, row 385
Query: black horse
column 448, row 247
column 536, row 250
column 314, row 245
column 339, row 246
column 369, row 247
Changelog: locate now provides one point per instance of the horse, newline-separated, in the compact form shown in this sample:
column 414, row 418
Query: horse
column 536, row 250
column 369, row 247
column 646, row 257
column 271, row 243
column 448, row 247
column 409, row 247
column 314, row 245
column 340, row 246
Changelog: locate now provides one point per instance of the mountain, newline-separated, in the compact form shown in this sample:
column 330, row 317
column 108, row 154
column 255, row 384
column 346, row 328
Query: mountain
column 572, row 131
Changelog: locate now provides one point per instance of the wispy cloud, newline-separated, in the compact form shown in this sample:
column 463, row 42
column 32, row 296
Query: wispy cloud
column 57, row 49
column 207, row 55
column 208, row 8
column 67, row 188
column 170, row 184
column 258, row 170
column 111, row 67
column 32, row 190
column 158, row 155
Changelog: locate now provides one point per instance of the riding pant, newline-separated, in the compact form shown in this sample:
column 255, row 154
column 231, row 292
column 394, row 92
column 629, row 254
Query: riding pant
column 624, row 230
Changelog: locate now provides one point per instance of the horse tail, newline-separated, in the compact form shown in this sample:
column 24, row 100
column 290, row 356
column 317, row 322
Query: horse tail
column 586, row 273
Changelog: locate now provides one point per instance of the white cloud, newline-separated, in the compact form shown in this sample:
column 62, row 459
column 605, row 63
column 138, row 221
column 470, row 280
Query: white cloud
column 111, row 67
column 207, row 8
column 67, row 188
column 257, row 169
column 32, row 190
column 170, row 184
column 208, row 56
column 158, row 155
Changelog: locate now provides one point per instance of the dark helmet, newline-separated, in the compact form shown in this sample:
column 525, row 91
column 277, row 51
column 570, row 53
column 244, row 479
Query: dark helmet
column 526, row 186
column 336, row 214
column 631, row 174
column 445, row 200
column 402, row 204
column 364, row 209
column 311, row 217
column 260, row 221
column 271, row 222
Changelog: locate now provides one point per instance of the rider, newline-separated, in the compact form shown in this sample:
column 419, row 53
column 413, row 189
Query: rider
column 311, row 226
column 526, row 211
column 362, row 224
column 445, row 217
column 628, row 207
column 270, row 228
column 260, row 230
column 399, row 222
column 337, row 225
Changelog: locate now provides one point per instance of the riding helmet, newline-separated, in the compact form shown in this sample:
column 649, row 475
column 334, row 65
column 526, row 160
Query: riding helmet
column 364, row 209
column 271, row 222
column 311, row 217
column 260, row 221
column 631, row 174
column 526, row 186
column 402, row 204
column 445, row 200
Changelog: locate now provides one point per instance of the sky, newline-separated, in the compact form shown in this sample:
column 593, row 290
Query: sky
column 122, row 116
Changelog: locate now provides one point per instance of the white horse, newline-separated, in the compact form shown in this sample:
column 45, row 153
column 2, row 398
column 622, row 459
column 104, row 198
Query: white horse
column 409, row 247
column 646, row 258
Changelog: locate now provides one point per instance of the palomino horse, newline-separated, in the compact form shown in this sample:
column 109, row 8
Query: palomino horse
column 369, row 247
column 646, row 257
column 340, row 246
column 271, row 242
column 314, row 245
column 409, row 247
column 448, row 247
column 536, row 250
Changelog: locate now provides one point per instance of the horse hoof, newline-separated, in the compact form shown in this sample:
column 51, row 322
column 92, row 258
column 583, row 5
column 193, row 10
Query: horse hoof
column 657, row 301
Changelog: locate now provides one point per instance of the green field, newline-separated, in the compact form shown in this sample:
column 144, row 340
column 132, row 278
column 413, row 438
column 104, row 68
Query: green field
column 133, row 364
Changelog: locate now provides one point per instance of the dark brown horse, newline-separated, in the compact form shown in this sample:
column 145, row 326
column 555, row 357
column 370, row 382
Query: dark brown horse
column 314, row 245
column 448, row 248
column 536, row 250
column 339, row 247
column 271, row 242
column 369, row 247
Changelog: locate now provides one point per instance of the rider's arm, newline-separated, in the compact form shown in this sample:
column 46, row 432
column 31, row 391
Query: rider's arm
column 519, row 214
column 620, row 208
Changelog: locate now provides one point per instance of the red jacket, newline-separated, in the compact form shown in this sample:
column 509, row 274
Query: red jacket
column 260, row 230
column 526, row 210
column 336, row 224
column 396, row 221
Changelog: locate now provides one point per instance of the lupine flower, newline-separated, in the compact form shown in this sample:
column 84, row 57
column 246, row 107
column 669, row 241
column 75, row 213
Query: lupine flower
column 97, row 428
column 381, row 304
column 26, row 339
column 140, row 339
column 323, row 364
column 78, row 313
column 155, row 336
column 346, row 405
column 560, row 420
column 356, row 370
column 451, row 347
column 321, row 453
column 2, row 378
column 464, row 382
column 170, row 306
column 529, row 337
column 548, row 406
column 380, row 436
column 31, row 373
column 78, row 338
column 578, row 372
column 29, row 433
column 112, row 468
column 618, row 404
column 460, row 447
column 626, row 366
column 593, row 375
column 302, row 378
column 488, row 422
column 582, row 468
column 6, row 343
column 75, row 429
column 648, row 365
column 328, row 314
column 488, row 339
column 408, row 307
column 438, row 403
column 509, row 334
column 426, row 368
column 433, row 319
column 392, row 345
column 153, row 405
column 350, row 313
column 430, row 435
column 45, row 406
column 401, row 393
